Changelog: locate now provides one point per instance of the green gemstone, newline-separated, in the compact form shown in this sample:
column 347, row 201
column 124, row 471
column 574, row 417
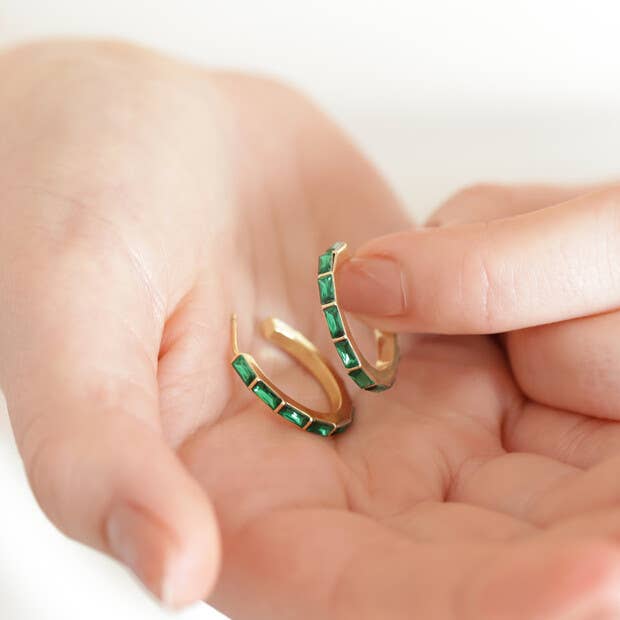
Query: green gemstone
column 326, row 289
column 361, row 378
column 341, row 429
column 325, row 262
column 378, row 388
column 243, row 369
column 266, row 394
column 334, row 322
column 347, row 355
column 320, row 428
column 294, row 415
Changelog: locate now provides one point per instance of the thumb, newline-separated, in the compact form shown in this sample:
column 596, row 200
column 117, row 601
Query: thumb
column 80, row 384
column 549, row 265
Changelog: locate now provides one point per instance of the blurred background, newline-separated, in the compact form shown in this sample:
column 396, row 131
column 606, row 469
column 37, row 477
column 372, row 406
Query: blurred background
column 439, row 94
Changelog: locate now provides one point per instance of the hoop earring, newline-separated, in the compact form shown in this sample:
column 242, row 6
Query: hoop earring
column 374, row 378
column 340, row 415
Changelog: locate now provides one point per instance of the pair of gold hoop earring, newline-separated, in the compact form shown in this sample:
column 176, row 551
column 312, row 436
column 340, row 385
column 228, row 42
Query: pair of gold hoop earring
column 375, row 377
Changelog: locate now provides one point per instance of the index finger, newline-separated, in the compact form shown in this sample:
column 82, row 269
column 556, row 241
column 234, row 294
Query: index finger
column 557, row 263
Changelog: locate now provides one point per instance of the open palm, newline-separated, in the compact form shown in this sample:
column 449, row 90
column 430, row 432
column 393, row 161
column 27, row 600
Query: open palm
column 437, row 503
column 171, row 199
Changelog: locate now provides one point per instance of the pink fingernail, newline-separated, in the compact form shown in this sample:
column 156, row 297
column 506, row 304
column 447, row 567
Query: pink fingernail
column 146, row 547
column 373, row 286
column 139, row 543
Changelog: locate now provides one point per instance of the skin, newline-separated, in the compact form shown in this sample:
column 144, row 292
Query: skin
column 143, row 201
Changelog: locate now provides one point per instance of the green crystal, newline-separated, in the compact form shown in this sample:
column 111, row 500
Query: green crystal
column 341, row 429
column 334, row 322
column 325, row 262
column 361, row 378
column 294, row 415
column 243, row 369
column 347, row 355
column 326, row 289
column 378, row 388
column 266, row 394
column 320, row 428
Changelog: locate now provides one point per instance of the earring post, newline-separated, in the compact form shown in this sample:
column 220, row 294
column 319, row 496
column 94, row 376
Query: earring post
column 234, row 338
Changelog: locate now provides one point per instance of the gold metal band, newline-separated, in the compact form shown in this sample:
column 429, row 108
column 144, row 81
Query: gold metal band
column 301, row 349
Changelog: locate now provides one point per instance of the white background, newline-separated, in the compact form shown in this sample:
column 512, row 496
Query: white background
column 439, row 94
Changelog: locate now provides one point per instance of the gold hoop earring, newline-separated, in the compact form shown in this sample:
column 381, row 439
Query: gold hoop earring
column 340, row 415
column 374, row 378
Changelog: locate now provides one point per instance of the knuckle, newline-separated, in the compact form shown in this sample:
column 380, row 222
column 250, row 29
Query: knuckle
column 467, row 198
column 118, row 399
column 479, row 300
column 463, row 296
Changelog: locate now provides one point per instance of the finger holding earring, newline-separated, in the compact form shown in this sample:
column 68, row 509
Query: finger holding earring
column 375, row 377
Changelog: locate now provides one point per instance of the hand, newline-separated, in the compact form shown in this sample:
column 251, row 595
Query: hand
column 143, row 202
column 538, row 263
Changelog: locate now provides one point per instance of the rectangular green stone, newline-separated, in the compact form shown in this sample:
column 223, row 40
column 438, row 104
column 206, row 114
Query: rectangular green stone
column 325, row 262
column 342, row 429
column 243, row 369
column 326, row 289
column 347, row 355
column 320, row 428
column 267, row 395
column 294, row 415
column 334, row 322
column 378, row 388
column 361, row 378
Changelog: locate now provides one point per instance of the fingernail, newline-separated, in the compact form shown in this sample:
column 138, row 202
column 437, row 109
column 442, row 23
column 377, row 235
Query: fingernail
column 146, row 547
column 373, row 286
column 176, row 589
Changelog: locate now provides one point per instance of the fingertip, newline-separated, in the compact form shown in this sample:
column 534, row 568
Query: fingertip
column 190, row 575
column 178, row 568
column 380, row 286
column 372, row 286
column 438, row 282
column 192, row 572
column 579, row 581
